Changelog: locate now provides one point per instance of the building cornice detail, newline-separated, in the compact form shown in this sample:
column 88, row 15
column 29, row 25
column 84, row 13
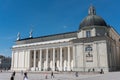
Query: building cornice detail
column 57, row 43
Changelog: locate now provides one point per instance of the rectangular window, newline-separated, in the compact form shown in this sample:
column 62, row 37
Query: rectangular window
column 88, row 34
column 88, row 48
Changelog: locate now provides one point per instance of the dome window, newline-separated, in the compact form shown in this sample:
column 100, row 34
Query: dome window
column 88, row 33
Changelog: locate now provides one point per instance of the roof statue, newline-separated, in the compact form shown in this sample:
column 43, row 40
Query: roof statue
column 30, row 33
column 18, row 36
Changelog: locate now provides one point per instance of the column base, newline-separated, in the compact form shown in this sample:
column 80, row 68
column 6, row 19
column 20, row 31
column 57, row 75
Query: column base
column 68, row 69
column 33, row 69
column 40, row 69
column 53, row 69
column 61, row 69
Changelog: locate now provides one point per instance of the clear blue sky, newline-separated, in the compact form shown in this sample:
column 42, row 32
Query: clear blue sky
column 47, row 17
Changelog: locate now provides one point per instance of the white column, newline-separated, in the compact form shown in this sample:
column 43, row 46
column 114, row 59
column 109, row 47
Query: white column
column 98, row 56
column 84, row 59
column 53, row 59
column 28, row 60
column 24, row 53
column 12, row 62
column 18, row 59
column 40, row 61
column 46, row 59
column 68, row 59
column 61, row 59
column 74, row 57
column 34, row 60
column 15, row 59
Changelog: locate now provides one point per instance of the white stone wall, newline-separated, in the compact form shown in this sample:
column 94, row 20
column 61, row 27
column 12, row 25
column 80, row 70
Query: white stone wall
column 99, row 57
column 93, row 32
column 82, row 33
column 103, row 54
column 80, row 57
column 15, row 60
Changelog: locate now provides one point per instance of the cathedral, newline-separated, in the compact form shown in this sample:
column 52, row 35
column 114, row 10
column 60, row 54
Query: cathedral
column 94, row 46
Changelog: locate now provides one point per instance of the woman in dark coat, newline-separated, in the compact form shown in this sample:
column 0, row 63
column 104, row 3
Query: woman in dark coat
column 12, row 77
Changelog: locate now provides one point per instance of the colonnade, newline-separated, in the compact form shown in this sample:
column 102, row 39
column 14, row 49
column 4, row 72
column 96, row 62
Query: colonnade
column 60, row 59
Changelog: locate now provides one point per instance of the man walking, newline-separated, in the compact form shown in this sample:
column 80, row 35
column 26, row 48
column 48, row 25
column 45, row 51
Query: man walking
column 52, row 75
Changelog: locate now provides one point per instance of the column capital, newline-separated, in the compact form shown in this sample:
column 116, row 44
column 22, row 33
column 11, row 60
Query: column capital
column 34, row 49
column 68, row 46
column 40, row 48
column 46, row 48
column 61, row 47
column 53, row 47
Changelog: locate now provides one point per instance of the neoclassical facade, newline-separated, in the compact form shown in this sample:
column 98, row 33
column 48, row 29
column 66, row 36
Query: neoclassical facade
column 95, row 45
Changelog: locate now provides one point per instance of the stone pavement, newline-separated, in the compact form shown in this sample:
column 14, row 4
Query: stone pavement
column 62, row 76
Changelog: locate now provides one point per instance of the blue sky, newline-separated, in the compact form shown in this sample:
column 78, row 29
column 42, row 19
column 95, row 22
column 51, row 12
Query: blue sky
column 47, row 17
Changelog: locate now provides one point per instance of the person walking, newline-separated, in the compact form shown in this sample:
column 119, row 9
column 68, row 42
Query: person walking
column 52, row 75
column 21, row 72
column 14, row 73
column 101, row 72
column 25, row 76
column 12, row 77
column 76, row 74
column 45, row 75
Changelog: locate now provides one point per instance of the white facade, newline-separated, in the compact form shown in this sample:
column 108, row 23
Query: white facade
column 49, row 55
column 91, row 47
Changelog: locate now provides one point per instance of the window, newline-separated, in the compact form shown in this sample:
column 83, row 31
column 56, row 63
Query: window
column 88, row 33
column 88, row 48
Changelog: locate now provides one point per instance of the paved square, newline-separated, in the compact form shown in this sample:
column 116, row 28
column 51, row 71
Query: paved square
column 62, row 76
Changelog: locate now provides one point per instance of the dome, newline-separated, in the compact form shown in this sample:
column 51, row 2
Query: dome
column 92, row 19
